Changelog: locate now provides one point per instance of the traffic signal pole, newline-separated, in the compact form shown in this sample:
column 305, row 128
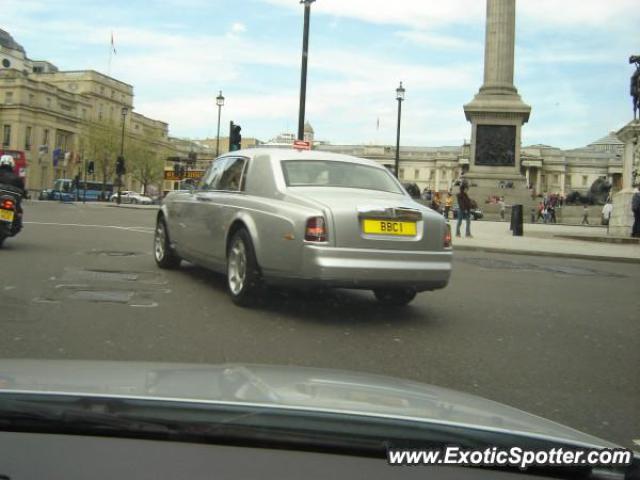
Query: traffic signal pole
column 303, row 75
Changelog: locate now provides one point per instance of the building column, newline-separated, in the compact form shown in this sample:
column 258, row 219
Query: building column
column 562, row 181
column 528, row 176
column 437, row 185
column 538, row 181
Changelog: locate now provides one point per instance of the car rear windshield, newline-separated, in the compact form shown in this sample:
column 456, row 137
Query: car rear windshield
column 330, row 173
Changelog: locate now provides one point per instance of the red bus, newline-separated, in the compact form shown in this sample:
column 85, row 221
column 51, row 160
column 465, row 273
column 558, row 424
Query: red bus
column 19, row 159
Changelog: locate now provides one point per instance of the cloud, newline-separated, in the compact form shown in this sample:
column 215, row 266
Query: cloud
column 414, row 13
column 427, row 39
column 422, row 14
column 238, row 28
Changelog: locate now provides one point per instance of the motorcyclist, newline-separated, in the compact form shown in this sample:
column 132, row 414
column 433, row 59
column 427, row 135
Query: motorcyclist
column 15, row 183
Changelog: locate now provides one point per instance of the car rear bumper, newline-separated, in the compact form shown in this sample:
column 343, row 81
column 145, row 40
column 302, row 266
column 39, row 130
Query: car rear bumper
column 368, row 269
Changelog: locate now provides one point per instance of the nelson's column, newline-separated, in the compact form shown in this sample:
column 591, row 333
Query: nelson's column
column 497, row 114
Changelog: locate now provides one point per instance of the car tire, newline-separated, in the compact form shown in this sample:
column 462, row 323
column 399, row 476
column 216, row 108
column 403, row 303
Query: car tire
column 134, row 201
column 395, row 297
column 164, row 255
column 244, row 280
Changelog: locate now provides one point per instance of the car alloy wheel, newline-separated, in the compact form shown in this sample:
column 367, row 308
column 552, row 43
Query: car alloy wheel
column 243, row 274
column 164, row 255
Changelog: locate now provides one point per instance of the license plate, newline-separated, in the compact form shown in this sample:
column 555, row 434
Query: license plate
column 389, row 227
column 6, row 215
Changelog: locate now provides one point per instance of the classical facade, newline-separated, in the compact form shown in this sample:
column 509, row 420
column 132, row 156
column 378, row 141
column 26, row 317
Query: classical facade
column 44, row 110
column 547, row 169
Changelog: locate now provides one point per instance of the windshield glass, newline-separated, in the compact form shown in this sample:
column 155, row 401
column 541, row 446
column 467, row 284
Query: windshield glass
column 416, row 209
column 322, row 173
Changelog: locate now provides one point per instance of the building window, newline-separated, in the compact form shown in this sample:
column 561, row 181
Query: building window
column 556, row 179
column 27, row 139
column 100, row 112
column 45, row 137
column 8, row 98
column 101, row 90
column 38, row 69
column 585, row 179
column 401, row 174
column 6, row 136
column 416, row 174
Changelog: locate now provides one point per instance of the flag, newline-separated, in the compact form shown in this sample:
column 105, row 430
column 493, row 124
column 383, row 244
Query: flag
column 113, row 46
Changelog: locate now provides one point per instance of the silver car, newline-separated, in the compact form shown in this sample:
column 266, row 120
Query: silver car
column 305, row 218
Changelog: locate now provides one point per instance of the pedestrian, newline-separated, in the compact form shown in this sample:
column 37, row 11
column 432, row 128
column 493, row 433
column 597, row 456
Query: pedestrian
column 464, row 211
column 540, row 212
column 503, row 208
column 448, row 203
column 585, row 216
column 607, row 210
column 635, row 208
column 552, row 214
column 436, row 202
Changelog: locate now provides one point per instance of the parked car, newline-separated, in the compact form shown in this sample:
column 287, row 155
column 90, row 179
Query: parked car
column 127, row 196
column 476, row 213
column 46, row 194
column 291, row 217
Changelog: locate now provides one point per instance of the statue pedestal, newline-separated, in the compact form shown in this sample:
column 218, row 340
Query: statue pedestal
column 512, row 187
column 622, row 216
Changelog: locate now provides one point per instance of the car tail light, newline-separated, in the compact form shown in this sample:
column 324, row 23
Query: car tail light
column 8, row 204
column 447, row 236
column 316, row 230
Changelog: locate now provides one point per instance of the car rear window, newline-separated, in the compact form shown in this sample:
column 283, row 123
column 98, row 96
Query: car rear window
column 330, row 173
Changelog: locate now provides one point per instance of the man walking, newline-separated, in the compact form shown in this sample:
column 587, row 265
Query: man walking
column 585, row 216
column 635, row 208
column 464, row 211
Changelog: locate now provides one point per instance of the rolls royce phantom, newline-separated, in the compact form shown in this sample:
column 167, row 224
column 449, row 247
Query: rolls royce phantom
column 305, row 218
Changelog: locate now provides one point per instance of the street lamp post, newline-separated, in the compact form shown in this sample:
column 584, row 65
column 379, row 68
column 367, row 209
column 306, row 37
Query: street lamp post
column 400, row 98
column 303, row 76
column 125, row 110
column 219, row 103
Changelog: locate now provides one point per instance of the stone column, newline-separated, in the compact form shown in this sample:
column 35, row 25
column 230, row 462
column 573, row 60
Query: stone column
column 528, row 176
column 538, row 181
column 562, row 181
column 497, row 112
column 437, row 186
column 499, row 47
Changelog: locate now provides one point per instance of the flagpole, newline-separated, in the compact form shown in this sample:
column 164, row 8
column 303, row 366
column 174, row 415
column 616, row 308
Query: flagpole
column 110, row 55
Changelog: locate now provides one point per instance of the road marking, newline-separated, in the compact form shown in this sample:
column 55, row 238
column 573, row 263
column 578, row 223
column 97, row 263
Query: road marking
column 118, row 227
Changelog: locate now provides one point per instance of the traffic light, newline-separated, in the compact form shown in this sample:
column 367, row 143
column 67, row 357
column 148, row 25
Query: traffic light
column 235, row 139
column 91, row 168
column 120, row 169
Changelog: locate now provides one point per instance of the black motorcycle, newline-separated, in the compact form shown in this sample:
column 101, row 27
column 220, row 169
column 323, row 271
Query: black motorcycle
column 10, row 213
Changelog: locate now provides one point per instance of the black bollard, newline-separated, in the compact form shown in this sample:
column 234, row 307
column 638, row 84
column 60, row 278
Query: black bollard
column 517, row 219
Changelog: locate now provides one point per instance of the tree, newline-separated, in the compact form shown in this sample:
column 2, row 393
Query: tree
column 145, row 161
column 100, row 142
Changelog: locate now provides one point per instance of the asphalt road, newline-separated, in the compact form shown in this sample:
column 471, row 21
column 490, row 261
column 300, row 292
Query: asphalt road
column 555, row 337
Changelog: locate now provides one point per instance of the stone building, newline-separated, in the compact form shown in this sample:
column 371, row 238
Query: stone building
column 44, row 110
column 547, row 169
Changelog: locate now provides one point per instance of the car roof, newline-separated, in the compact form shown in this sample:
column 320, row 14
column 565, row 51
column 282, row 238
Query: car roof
column 293, row 154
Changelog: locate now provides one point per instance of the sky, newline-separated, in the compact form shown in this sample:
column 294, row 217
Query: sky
column 571, row 63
